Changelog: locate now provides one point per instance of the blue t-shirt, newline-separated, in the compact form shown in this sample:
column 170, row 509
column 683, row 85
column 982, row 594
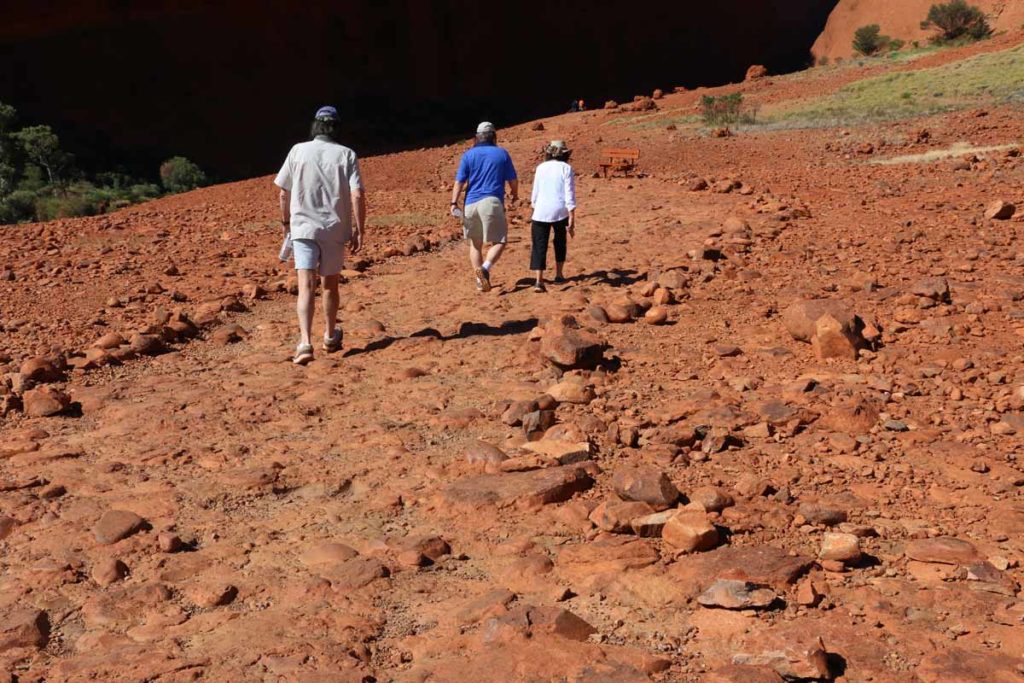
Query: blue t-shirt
column 486, row 168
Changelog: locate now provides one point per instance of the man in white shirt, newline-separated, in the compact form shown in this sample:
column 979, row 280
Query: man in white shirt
column 321, row 193
column 554, row 209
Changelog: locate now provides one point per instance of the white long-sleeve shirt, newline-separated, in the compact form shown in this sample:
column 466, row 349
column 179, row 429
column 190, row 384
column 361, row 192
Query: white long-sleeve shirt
column 554, row 192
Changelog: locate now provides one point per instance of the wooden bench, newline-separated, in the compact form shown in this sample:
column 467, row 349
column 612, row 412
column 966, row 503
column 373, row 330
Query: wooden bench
column 619, row 160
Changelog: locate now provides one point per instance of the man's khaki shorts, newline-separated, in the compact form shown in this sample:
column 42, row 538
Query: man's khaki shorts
column 485, row 222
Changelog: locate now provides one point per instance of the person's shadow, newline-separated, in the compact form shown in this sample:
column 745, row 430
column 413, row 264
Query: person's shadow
column 465, row 331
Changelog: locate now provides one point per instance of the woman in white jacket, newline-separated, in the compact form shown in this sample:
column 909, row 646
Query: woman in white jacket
column 554, row 209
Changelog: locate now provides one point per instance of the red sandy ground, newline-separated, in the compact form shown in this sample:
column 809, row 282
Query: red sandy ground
column 443, row 573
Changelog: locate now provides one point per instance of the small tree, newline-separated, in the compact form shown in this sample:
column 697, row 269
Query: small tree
column 868, row 40
column 178, row 174
column 42, row 147
column 957, row 21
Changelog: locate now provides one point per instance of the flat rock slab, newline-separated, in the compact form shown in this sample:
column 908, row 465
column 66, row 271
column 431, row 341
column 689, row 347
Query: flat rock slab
column 761, row 565
column 528, row 489
column 115, row 525
column 943, row 550
column 730, row 594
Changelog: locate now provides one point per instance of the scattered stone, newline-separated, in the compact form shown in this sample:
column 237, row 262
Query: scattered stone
column 483, row 453
column 647, row 484
column 1000, row 210
column 568, row 346
column 41, row 370
column 109, row 571
column 169, row 543
column 572, row 391
column 823, row 515
column 115, row 525
column 651, row 526
column 528, row 489
column 793, row 656
column 839, row 547
column 617, row 516
column 690, row 531
column 657, row 315
column 712, row 499
column 146, row 344
column 731, row 594
column 7, row 525
column 29, row 628
column 213, row 594
column 756, row 72
column 942, row 550
column 45, row 401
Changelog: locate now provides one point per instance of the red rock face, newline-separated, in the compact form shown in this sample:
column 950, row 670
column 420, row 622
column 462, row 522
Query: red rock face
column 900, row 20
column 412, row 69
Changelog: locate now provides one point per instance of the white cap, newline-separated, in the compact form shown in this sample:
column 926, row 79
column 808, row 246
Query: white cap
column 485, row 127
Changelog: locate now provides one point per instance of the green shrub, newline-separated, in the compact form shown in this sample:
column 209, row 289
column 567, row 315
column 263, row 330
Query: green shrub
column 868, row 40
column 51, row 207
column 17, row 207
column 178, row 174
column 726, row 110
column 956, row 21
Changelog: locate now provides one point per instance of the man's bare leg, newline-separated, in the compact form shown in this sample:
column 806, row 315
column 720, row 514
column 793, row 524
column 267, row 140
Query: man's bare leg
column 331, row 302
column 474, row 254
column 494, row 253
column 304, row 305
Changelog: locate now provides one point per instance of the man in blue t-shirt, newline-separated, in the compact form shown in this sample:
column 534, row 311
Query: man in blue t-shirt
column 482, row 174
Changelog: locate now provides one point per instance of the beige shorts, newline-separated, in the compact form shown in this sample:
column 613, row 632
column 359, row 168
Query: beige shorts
column 485, row 222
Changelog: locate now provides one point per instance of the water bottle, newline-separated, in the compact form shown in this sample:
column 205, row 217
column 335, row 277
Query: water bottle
column 286, row 248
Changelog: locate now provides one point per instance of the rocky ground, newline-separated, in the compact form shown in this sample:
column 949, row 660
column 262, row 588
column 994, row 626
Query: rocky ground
column 769, row 430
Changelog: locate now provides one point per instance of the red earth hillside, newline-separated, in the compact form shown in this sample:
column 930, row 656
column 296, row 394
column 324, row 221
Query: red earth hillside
column 900, row 19
column 770, row 429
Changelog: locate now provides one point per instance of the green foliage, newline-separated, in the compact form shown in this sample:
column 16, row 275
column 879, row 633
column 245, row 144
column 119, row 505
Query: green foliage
column 868, row 40
column 956, row 21
column 42, row 147
column 726, row 110
column 178, row 174
column 39, row 182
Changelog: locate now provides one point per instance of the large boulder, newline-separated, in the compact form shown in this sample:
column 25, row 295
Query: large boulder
column 567, row 345
column 829, row 326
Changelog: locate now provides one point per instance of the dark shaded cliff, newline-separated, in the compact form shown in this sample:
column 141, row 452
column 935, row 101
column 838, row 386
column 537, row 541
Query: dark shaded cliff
column 231, row 84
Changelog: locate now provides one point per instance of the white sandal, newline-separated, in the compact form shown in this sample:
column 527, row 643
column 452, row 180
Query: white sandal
column 303, row 354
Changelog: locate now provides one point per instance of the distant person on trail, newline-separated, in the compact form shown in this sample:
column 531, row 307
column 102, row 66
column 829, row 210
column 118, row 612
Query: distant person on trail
column 321, row 193
column 554, row 209
column 575, row 106
column 482, row 174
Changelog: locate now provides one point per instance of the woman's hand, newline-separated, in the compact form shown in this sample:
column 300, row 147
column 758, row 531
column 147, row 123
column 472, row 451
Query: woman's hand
column 572, row 226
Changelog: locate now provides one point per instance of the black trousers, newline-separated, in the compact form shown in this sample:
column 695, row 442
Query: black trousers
column 540, row 233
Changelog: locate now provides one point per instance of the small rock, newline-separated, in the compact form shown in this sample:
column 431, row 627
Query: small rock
column 840, row 547
column 109, row 571
column 169, row 543
column 657, row 315
column 208, row 595
column 730, row 594
column 41, row 370
column 712, row 499
column 942, row 550
column 24, row 628
column 646, row 484
column 617, row 516
column 690, row 531
column 1000, row 210
column 115, row 525
column 45, row 402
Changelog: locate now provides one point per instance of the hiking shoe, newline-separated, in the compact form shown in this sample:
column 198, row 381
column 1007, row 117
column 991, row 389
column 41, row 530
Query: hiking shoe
column 303, row 354
column 540, row 288
column 333, row 343
column 483, row 280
